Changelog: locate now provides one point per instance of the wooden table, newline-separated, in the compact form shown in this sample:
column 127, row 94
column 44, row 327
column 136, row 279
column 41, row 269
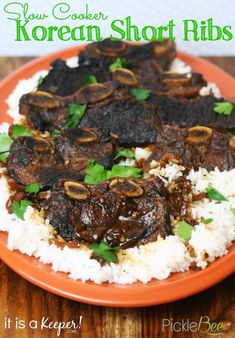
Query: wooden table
column 22, row 300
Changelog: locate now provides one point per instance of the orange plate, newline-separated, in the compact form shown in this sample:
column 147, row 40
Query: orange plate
column 177, row 286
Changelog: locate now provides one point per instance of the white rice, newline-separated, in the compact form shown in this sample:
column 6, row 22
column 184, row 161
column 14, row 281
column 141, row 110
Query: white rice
column 154, row 260
column 24, row 86
column 180, row 67
column 72, row 62
column 210, row 89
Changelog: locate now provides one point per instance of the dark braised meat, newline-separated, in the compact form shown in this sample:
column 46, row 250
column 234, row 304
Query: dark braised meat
column 179, row 111
column 64, row 81
column 124, row 212
column 146, row 61
column 195, row 147
column 134, row 124
column 107, row 51
column 44, row 111
column 45, row 160
column 179, row 85
column 109, row 106
column 179, row 199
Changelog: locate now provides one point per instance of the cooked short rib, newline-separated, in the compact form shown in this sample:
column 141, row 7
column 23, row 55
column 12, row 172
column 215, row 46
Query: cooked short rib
column 147, row 61
column 123, row 212
column 134, row 124
column 194, row 147
column 110, row 106
column 107, row 51
column 45, row 160
column 179, row 85
column 179, row 111
column 45, row 112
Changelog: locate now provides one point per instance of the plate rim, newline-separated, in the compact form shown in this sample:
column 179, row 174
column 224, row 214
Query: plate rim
column 114, row 295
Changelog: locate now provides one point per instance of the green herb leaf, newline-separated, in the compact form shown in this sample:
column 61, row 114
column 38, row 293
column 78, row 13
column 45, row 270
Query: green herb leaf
column 208, row 220
column 3, row 157
column 89, row 79
column 119, row 63
column 128, row 153
column 75, row 114
column 55, row 132
column 104, row 251
column 32, row 188
column 19, row 130
column 233, row 211
column 140, row 94
column 19, row 208
column 40, row 81
column 5, row 143
column 123, row 171
column 230, row 134
column 184, row 230
column 215, row 195
column 223, row 108
column 96, row 173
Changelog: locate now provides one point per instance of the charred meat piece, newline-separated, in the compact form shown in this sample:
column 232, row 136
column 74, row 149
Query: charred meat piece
column 194, row 147
column 179, row 199
column 45, row 111
column 64, row 81
column 182, row 112
column 45, row 160
column 124, row 212
column 109, row 106
column 145, row 61
column 180, row 85
column 107, row 51
column 134, row 124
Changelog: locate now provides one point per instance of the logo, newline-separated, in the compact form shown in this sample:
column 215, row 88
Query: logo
column 203, row 325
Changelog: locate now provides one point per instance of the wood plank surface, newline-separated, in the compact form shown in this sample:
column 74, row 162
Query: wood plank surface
column 21, row 300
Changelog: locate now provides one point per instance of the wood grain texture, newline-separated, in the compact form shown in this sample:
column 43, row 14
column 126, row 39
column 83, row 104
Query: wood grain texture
column 21, row 299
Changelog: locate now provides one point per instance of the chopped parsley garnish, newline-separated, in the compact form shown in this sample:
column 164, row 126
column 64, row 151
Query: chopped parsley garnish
column 208, row 220
column 184, row 230
column 55, row 132
column 123, row 171
column 75, row 114
column 230, row 134
column 140, row 94
column 233, row 211
column 214, row 194
column 32, row 188
column 128, row 153
column 19, row 130
column 223, row 108
column 3, row 157
column 40, row 80
column 96, row 173
column 89, row 79
column 19, row 208
column 104, row 251
column 5, row 144
column 119, row 63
